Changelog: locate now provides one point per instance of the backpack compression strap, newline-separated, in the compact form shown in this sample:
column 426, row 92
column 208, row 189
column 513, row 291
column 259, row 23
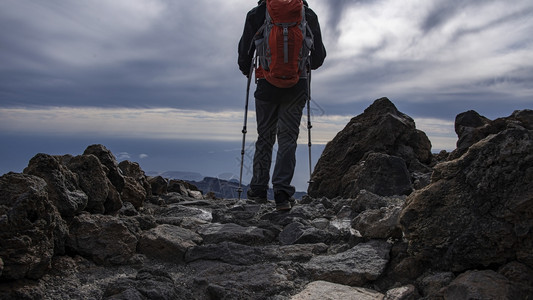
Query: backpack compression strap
column 285, row 27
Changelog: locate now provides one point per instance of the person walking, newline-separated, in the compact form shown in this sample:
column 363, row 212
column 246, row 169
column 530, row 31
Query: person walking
column 278, row 109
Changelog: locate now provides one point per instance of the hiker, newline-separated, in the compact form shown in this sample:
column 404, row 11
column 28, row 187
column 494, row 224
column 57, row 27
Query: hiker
column 278, row 109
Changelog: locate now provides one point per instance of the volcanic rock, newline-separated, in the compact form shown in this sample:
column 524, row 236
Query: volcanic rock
column 62, row 185
column 108, row 160
column 471, row 127
column 103, row 239
column 168, row 242
column 136, row 186
column 327, row 290
column 149, row 283
column 486, row 284
column 216, row 233
column 380, row 129
column 466, row 230
column 478, row 210
column 94, row 183
column 364, row 262
column 28, row 220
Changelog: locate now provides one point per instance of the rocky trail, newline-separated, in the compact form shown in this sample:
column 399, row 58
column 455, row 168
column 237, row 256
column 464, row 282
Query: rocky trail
column 384, row 219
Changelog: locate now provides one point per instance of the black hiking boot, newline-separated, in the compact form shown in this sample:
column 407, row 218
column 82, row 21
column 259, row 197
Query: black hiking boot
column 259, row 196
column 284, row 202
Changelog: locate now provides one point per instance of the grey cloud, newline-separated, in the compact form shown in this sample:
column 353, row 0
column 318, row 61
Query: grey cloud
column 515, row 17
column 183, row 61
column 336, row 9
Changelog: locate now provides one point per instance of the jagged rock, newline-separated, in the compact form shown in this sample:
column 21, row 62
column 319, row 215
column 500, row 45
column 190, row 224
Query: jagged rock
column 327, row 290
column 366, row 200
column 431, row 284
column 148, row 284
column 262, row 281
column 363, row 263
column 477, row 210
column 133, row 170
column 107, row 159
column 217, row 233
column 380, row 129
column 486, row 284
column 186, row 217
column 407, row 292
column 159, row 185
column 380, row 223
column 113, row 203
column 297, row 233
column 28, row 220
column 21, row 289
column 136, row 187
column 520, row 275
column 168, row 242
column 103, row 239
column 94, row 183
column 239, row 254
column 177, row 186
column 378, row 173
column 472, row 127
column 229, row 252
column 62, row 184
column 133, row 192
column 196, row 195
column 465, row 127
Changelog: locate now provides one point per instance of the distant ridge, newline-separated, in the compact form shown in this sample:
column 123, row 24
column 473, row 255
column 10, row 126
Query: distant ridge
column 220, row 187
column 187, row 176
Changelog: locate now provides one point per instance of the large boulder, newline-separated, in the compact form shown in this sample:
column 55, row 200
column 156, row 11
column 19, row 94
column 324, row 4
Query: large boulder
column 357, row 266
column 102, row 194
column 149, row 283
column 380, row 129
column 107, row 159
column 486, row 284
column 62, row 185
column 104, row 239
column 378, row 173
column 478, row 210
column 28, row 222
column 168, row 242
column 471, row 127
column 134, row 171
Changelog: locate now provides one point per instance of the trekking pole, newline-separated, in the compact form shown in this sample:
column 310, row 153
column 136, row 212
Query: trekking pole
column 244, row 130
column 309, row 126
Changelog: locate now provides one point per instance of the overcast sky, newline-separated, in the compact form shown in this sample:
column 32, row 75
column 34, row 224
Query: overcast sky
column 167, row 69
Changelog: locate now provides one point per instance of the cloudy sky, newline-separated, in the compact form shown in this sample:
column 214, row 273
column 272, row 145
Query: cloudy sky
column 156, row 71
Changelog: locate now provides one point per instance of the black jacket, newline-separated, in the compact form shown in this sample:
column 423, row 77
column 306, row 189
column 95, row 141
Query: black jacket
column 254, row 20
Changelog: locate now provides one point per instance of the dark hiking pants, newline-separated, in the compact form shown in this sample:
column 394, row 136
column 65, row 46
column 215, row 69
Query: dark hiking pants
column 279, row 119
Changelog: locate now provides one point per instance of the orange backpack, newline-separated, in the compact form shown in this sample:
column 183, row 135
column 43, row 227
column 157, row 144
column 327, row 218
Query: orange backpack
column 283, row 43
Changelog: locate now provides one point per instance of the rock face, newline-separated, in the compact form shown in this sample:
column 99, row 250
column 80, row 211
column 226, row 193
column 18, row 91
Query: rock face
column 466, row 234
column 62, row 184
column 356, row 266
column 28, row 220
column 380, row 140
column 103, row 239
column 478, row 209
